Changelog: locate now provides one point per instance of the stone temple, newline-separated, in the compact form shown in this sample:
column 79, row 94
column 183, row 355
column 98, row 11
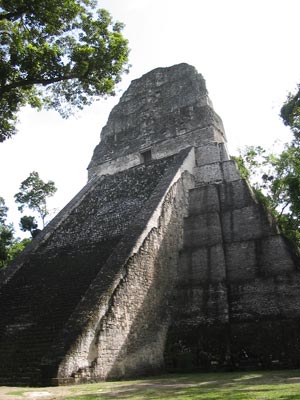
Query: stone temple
column 164, row 261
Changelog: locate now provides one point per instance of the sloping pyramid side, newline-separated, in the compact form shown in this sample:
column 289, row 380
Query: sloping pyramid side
column 119, row 237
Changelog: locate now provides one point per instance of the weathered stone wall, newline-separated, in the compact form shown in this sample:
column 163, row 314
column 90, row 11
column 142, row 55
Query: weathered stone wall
column 126, row 334
column 238, row 278
column 132, row 334
column 171, row 112
column 159, row 149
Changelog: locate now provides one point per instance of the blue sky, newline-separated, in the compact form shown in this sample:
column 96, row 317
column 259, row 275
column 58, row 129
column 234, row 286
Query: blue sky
column 248, row 52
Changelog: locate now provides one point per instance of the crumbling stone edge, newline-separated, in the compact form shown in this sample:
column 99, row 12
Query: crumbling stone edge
column 7, row 273
column 71, row 352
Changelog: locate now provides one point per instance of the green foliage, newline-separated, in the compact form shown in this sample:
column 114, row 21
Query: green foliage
column 57, row 54
column 9, row 245
column 6, row 235
column 15, row 248
column 3, row 210
column 276, row 180
column 29, row 223
column 33, row 194
column 6, row 240
column 241, row 166
column 290, row 113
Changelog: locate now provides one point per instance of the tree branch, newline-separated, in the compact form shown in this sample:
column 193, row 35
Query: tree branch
column 13, row 15
column 34, row 81
column 283, row 208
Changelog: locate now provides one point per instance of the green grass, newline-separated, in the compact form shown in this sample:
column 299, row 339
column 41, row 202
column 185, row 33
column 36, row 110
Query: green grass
column 271, row 385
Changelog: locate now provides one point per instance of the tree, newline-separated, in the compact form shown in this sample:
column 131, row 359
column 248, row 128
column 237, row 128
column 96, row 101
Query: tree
column 10, row 246
column 6, row 234
column 17, row 246
column 33, row 194
column 57, row 54
column 29, row 223
column 3, row 210
column 276, row 177
column 290, row 113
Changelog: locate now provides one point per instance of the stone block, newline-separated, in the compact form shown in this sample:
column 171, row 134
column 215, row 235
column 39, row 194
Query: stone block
column 217, row 268
column 206, row 135
column 209, row 173
column 211, row 153
column 196, row 300
column 223, row 152
column 203, row 199
column 184, row 267
column 219, row 136
column 274, row 256
column 287, row 287
column 216, row 172
column 188, row 301
column 254, row 299
column 246, row 223
column 207, row 154
column 230, row 171
column 216, row 307
column 202, row 230
column 236, row 194
column 241, row 260
column 200, row 264
column 269, row 298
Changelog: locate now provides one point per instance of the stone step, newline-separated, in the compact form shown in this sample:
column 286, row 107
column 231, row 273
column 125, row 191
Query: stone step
column 202, row 230
column 202, row 265
column 235, row 195
column 204, row 199
column 247, row 223
column 217, row 172
column 211, row 152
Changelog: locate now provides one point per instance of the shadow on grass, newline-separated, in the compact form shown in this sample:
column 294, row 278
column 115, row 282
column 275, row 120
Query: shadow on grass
column 190, row 394
column 239, row 387
column 256, row 385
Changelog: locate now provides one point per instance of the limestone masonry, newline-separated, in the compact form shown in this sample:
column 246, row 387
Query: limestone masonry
column 165, row 261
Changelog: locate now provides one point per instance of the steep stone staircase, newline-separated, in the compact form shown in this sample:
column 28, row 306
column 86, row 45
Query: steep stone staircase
column 38, row 300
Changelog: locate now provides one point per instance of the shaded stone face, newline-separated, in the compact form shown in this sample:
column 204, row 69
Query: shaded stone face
column 165, row 111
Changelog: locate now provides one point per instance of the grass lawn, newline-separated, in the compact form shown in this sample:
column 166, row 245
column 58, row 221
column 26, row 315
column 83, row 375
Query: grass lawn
column 259, row 385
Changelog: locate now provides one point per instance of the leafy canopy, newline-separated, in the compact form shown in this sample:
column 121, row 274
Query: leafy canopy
column 276, row 177
column 29, row 223
column 3, row 210
column 33, row 194
column 57, row 54
column 290, row 113
column 6, row 234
